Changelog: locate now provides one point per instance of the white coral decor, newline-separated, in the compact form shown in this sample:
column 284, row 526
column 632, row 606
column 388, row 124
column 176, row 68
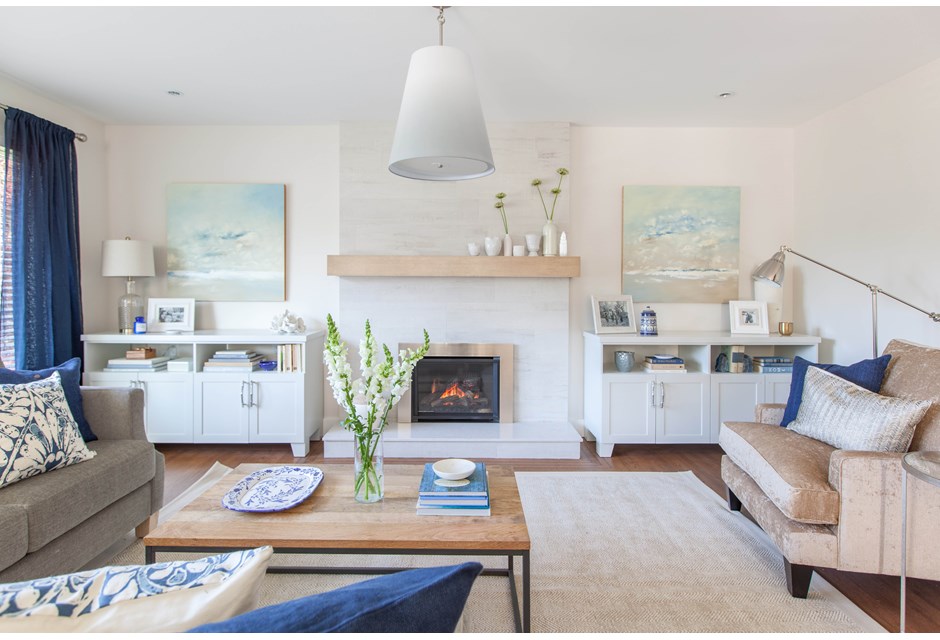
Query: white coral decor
column 288, row 323
column 368, row 399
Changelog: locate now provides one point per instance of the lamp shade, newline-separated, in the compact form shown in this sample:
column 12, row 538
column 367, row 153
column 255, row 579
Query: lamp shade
column 441, row 134
column 126, row 258
column 772, row 270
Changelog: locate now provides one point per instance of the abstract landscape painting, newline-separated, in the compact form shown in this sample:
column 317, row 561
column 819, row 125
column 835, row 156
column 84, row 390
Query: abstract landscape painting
column 225, row 241
column 680, row 244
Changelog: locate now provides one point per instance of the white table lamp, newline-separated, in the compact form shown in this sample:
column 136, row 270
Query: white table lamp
column 127, row 259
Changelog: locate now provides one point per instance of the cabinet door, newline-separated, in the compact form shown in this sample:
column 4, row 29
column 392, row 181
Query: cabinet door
column 776, row 387
column 168, row 406
column 733, row 398
column 221, row 408
column 277, row 409
column 629, row 410
column 682, row 408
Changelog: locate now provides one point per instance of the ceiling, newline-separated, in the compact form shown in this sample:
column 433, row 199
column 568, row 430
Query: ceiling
column 617, row 66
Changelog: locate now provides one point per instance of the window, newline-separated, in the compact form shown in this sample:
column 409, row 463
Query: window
column 6, row 266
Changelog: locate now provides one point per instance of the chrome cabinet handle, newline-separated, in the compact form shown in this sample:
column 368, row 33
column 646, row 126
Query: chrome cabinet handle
column 653, row 394
column 251, row 393
column 244, row 384
column 662, row 395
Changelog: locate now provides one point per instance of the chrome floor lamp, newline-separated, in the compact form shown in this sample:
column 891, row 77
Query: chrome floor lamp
column 773, row 270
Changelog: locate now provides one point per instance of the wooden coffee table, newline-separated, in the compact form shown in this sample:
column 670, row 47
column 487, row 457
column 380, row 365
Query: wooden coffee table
column 331, row 521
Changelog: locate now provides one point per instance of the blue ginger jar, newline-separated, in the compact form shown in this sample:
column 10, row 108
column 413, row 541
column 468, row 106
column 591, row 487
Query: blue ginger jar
column 648, row 322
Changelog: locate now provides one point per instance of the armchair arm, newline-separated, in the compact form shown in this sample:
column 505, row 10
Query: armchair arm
column 115, row 413
column 769, row 413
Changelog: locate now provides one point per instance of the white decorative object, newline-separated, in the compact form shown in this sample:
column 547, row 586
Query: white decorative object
column 492, row 245
column 518, row 250
column 563, row 244
column 473, row 248
column 171, row 315
column 749, row 316
column 532, row 243
column 549, row 239
column 507, row 245
column 287, row 322
column 273, row 489
column 454, row 468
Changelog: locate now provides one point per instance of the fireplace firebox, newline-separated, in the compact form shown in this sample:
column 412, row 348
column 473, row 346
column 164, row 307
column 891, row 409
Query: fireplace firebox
column 460, row 382
column 454, row 388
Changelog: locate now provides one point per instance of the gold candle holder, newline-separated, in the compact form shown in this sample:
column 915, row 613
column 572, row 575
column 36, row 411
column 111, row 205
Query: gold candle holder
column 785, row 328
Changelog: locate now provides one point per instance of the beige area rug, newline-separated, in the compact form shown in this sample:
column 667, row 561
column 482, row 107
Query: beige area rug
column 614, row 552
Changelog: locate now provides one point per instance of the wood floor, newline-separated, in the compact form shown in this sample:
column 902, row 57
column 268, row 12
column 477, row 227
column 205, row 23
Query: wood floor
column 876, row 595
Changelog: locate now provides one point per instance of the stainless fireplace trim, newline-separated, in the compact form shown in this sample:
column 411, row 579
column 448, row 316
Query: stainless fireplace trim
column 505, row 353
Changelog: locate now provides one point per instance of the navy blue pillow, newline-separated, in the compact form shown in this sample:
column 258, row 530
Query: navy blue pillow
column 71, row 373
column 414, row 601
column 866, row 373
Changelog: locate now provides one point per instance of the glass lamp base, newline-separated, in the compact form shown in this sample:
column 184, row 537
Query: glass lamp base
column 130, row 306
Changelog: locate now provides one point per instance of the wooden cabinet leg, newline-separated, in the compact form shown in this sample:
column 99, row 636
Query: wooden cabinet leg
column 798, row 578
column 734, row 503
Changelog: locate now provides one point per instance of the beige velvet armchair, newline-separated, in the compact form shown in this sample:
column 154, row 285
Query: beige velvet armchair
column 826, row 507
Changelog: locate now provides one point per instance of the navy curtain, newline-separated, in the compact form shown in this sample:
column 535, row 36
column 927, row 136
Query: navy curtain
column 47, row 296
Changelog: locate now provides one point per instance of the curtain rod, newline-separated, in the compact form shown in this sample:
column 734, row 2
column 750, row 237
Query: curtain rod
column 81, row 137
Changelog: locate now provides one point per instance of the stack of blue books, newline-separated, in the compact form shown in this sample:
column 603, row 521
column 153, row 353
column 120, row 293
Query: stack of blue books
column 438, row 497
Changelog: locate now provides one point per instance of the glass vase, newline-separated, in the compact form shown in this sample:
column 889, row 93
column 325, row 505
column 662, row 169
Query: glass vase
column 369, row 464
column 550, row 239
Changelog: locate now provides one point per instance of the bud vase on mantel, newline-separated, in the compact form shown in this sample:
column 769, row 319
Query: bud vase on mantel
column 507, row 245
column 550, row 239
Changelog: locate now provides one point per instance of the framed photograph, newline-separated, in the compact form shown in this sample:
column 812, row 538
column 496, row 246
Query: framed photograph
column 749, row 316
column 613, row 314
column 170, row 315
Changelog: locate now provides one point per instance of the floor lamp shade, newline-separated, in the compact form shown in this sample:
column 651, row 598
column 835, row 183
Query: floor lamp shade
column 771, row 270
column 441, row 134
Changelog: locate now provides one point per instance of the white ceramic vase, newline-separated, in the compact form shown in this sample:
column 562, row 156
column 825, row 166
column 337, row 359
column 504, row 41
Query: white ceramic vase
column 492, row 245
column 532, row 243
column 550, row 239
column 507, row 245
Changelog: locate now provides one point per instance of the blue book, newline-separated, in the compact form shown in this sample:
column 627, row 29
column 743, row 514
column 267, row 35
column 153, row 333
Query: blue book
column 773, row 360
column 671, row 360
column 476, row 487
column 453, row 501
column 769, row 368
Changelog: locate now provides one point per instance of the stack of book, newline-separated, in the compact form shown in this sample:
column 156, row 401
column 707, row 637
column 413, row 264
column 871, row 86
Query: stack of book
column 238, row 360
column 137, row 364
column 664, row 363
column 438, row 497
column 290, row 357
column 773, row 364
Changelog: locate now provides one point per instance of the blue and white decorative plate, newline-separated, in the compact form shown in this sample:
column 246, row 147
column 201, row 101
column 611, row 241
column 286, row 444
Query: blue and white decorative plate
column 272, row 489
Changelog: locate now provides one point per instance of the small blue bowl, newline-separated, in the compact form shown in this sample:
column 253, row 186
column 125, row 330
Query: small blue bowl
column 268, row 365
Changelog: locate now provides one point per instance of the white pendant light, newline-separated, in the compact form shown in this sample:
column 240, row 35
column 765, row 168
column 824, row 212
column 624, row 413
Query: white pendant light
column 441, row 134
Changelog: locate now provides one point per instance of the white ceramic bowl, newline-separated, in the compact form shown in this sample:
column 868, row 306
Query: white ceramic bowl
column 453, row 468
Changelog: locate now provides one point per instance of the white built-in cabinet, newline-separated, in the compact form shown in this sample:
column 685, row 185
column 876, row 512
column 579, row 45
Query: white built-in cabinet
column 219, row 407
column 663, row 407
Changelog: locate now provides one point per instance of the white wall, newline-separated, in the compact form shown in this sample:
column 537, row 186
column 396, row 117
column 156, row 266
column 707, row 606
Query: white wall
column 142, row 161
column 604, row 159
column 868, row 203
column 92, row 181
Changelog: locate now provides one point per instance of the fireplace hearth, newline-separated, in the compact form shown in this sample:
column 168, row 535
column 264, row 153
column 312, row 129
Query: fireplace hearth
column 460, row 382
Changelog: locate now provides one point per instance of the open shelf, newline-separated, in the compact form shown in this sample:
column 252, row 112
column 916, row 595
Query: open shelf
column 454, row 266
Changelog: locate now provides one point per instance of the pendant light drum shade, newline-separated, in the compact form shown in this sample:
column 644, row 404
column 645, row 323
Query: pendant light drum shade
column 441, row 134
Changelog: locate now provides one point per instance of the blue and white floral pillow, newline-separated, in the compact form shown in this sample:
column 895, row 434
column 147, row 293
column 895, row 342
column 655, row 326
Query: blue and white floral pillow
column 37, row 430
column 163, row 597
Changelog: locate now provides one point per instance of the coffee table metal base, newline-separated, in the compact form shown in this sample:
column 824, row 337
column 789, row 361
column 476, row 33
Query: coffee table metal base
column 521, row 608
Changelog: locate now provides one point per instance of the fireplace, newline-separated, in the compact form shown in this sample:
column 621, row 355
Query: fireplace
column 460, row 383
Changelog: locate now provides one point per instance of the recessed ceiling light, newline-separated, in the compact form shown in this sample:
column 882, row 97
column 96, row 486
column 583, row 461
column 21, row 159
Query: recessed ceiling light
column 724, row 95
column 175, row 94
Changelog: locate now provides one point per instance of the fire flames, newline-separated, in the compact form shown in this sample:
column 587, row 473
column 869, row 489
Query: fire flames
column 454, row 391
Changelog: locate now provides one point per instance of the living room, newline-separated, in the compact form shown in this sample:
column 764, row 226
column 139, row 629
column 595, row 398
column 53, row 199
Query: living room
column 829, row 134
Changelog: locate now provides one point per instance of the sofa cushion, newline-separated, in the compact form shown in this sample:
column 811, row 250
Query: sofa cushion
column 71, row 373
column 914, row 373
column 157, row 598
column 849, row 417
column 416, row 601
column 791, row 469
column 37, row 430
column 58, row 500
column 13, row 533
column 865, row 373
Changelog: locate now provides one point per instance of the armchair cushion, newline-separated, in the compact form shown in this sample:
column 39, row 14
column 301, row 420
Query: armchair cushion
column 915, row 374
column 792, row 470
column 849, row 417
column 865, row 373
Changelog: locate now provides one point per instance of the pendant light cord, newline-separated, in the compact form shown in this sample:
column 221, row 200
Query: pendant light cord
column 440, row 22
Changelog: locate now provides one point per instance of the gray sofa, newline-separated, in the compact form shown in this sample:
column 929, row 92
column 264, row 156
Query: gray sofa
column 60, row 520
